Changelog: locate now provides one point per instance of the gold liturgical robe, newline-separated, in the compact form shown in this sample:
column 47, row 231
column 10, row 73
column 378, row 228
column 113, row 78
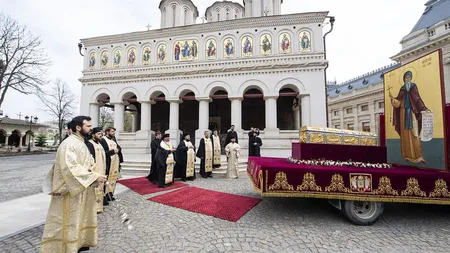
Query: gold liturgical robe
column 190, row 159
column 72, row 218
column 232, row 151
column 217, row 150
column 100, row 168
column 208, row 155
column 114, row 168
column 170, row 162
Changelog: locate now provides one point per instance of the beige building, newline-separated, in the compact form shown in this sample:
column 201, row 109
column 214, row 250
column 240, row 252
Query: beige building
column 357, row 103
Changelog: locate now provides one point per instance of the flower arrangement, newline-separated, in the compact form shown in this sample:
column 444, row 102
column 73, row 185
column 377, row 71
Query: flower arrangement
column 323, row 162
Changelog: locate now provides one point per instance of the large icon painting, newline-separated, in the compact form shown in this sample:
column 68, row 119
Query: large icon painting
column 92, row 60
column 104, row 58
column 185, row 50
column 305, row 41
column 211, row 49
column 414, row 114
column 131, row 56
column 228, row 47
column 146, row 55
column 162, row 53
column 247, row 46
column 117, row 57
column 285, row 43
column 266, row 44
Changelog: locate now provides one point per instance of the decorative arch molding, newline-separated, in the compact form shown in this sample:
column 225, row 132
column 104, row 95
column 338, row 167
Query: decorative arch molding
column 18, row 132
column 3, row 132
column 216, row 86
column 128, row 90
column 186, row 87
column 154, row 90
column 292, row 83
column 253, row 83
column 99, row 92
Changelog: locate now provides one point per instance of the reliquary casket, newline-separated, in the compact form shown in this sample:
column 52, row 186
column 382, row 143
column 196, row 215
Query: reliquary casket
column 337, row 136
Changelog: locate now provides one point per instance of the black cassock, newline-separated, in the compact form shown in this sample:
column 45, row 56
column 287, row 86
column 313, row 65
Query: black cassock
column 161, row 159
column 153, row 175
column 250, row 143
column 181, row 162
column 201, row 154
column 230, row 135
column 257, row 143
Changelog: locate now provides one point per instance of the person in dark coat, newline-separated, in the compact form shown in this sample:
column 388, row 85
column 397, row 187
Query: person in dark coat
column 257, row 143
column 165, row 162
column 185, row 159
column 206, row 154
column 231, row 134
column 153, row 175
column 250, row 141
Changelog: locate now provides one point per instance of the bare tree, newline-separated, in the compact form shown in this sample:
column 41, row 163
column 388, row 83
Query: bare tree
column 59, row 102
column 106, row 117
column 23, row 62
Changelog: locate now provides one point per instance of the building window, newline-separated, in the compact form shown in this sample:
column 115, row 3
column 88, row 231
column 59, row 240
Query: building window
column 366, row 126
column 349, row 110
column 380, row 105
column 364, row 108
column 350, row 127
column 431, row 33
column 336, row 113
column 447, row 26
column 186, row 17
column 337, row 126
column 174, row 14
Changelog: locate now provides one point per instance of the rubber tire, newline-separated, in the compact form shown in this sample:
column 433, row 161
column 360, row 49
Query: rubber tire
column 347, row 207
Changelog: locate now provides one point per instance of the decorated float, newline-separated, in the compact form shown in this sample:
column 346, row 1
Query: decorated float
column 359, row 171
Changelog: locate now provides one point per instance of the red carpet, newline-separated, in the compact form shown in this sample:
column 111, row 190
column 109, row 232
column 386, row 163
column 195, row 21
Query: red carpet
column 142, row 186
column 217, row 204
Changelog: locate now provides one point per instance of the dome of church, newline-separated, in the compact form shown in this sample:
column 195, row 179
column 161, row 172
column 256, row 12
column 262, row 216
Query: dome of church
column 177, row 13
column 259, row 8
column 224, row 10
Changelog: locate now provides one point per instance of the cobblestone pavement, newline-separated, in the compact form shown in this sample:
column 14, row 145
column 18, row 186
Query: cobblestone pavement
column 22, row 176
column 274, row 225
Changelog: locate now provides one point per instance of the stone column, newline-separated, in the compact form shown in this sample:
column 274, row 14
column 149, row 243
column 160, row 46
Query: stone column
column 174, row 119
column 341, row 122
column 146, row 115
column 94, row 113
column 7, row 139
column 119, row 110
column 236, row 113
column 306, row 110
column 296, row 111
column 203, row 118
column 134, row 125
column 372, row 117
column 20, row 141
column 355, row 118
column 271, row 116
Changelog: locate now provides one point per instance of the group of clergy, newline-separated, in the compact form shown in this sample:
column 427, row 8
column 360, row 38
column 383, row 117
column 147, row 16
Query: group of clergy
column 81, row 181
column 169, row 163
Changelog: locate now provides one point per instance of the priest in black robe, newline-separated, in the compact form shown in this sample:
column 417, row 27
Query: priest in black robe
column 185, row 155
column 231, row 134
column 257, row 143
column 154, row 145
column 165, row 162
column 206, row 154
column 251, row 136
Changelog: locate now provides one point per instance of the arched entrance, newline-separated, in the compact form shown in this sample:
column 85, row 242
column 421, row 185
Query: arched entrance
column 28, row 139
column 106, row 111
column 132, row 117
column 220, row 113
column 2, row 138
column 14, row 139
column 160, row 113
column 288, row 109
column 253, row 110
column 188, row 114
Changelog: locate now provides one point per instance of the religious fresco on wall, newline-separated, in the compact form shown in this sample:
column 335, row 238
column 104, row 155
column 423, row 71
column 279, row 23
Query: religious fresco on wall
column 146, row 55
column 92, row 60
column 414, row 114
column 305, row 41
column 285, row 43
column 131, row 56
column 228, row 47
column 266, row 44
column 104, row 58
column 185, row 50
column 247, row 46
column 211, row 49
column 162, row 53
column 117, row 57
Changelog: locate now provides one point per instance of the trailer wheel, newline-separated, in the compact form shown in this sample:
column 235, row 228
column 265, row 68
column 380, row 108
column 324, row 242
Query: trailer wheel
column 363, row 213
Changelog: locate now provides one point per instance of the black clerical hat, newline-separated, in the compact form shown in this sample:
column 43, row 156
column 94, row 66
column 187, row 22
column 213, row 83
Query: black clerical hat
column 185, row 134
column 165, row 136
column 96, row 130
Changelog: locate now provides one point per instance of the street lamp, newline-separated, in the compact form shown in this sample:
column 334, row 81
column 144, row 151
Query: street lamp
column 331, row 20
column 31, row 121
column 80, row 46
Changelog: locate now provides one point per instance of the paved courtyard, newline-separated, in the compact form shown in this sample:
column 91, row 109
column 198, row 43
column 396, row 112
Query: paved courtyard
column 274, row 225
column 23, row 175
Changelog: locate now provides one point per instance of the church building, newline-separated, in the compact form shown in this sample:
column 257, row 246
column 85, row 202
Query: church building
column 243, row 65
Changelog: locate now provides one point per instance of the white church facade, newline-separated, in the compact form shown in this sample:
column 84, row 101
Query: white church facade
column 246, row 66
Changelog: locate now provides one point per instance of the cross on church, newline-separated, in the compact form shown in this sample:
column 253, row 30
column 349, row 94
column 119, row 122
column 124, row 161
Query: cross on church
column 20, row 115
column 148, row 27
column 266, row 11
column 203, row 19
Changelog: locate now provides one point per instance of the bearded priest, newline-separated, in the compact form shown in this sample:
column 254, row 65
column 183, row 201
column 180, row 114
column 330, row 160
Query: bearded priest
column 206, row 154
column 166, row 162
column 71, row 223
column 185, row 156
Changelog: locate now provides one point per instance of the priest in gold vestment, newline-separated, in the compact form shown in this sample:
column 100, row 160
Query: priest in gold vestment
column 71, row 223
column 232, row 151
column 98, row 153
column 217, row 149
column 185, row 163
column 166, row 162
column 206, row 154
column 112, row 162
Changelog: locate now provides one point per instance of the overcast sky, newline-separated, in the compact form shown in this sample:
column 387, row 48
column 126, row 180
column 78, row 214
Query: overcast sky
column 366, row 33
